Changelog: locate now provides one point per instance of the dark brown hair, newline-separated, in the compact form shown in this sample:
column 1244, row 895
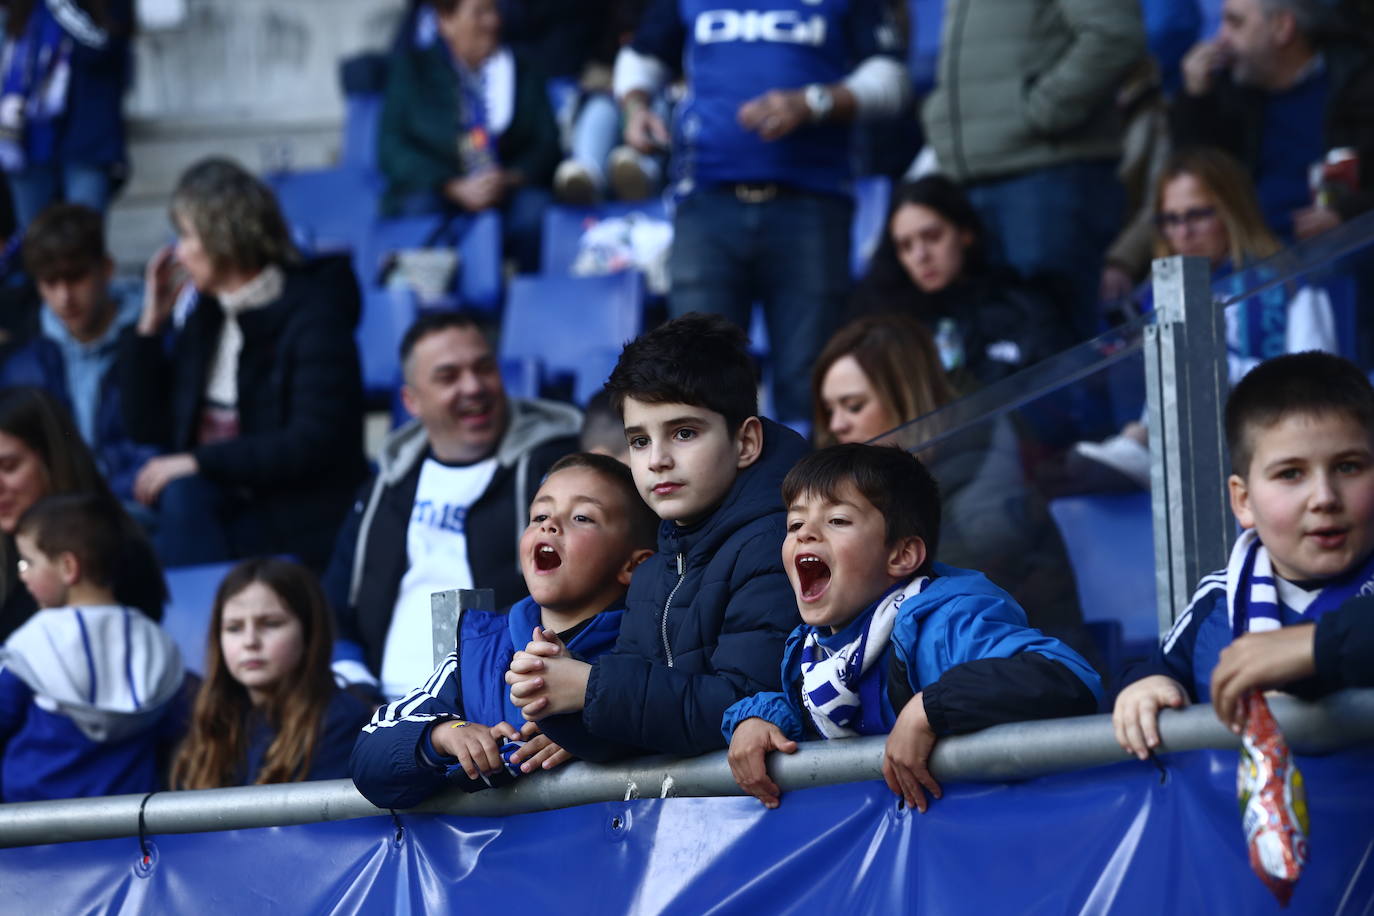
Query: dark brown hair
column 641, row 522
column 64, row 241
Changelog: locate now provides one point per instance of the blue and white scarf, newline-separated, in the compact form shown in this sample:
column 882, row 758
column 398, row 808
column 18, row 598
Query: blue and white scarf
column 1258, row 600
column 830, row 677
column 35, row 74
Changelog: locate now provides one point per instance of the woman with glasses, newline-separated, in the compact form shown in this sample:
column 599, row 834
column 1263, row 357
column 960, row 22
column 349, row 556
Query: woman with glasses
column 1206, row 206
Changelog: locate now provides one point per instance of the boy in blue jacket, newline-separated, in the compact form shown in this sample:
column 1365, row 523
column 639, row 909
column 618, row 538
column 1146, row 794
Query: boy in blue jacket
column 893, row 642
column 707, row 615
column 1292, row 608
column 587, row 532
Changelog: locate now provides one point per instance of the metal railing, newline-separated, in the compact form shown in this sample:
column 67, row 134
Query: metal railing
column 1005, row 752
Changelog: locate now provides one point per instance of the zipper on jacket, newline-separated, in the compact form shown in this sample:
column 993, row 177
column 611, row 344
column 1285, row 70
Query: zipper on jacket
column 681, row 574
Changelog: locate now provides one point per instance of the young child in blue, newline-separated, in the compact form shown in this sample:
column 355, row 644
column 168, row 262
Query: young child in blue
column 90, row 688
column 892, row 642
column 707, row 615
column 1292, row 608
column 588, row 530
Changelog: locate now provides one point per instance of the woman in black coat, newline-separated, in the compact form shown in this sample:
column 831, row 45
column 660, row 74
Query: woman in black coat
column 930, row 266
column 255, row 394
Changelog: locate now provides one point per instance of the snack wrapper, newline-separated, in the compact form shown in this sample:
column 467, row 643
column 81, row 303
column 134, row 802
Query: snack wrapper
column 1273, row 803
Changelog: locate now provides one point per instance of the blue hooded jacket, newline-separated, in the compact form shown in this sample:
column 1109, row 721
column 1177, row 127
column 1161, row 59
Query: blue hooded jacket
column 394, row 765
column 959, row 617
column 705, row 624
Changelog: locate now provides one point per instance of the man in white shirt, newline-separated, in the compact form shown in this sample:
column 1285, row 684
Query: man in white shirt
column 447, row 505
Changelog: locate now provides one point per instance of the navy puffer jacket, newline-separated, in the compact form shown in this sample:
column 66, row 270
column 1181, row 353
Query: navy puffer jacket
column 670, row 678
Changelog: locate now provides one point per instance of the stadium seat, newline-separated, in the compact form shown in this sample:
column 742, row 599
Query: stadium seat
column 387, row 312
column 332, row 207
column 871, row 196
column 1110, row 539
column 362, row 112
column 574, row 325
column 187, row 615
column 563, row 228
column 478, row 239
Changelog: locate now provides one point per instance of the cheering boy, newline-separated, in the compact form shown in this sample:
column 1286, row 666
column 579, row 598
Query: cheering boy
column 892, row 641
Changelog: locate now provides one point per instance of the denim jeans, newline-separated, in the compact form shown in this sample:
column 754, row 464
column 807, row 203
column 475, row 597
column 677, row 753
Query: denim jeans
column 790, row 253
column 1056, row 224
column 202, row 522
column 39, row 185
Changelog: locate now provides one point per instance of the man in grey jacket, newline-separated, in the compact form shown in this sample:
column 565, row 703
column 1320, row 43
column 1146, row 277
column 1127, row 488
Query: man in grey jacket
column 1022, row 115
column 447, row 505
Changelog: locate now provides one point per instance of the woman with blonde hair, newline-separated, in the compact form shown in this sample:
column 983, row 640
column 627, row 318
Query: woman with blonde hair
column 879, row 372
column 268, row 710
column 257, row 400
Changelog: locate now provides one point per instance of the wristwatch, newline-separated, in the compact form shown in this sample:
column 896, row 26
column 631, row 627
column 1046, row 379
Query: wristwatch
column 819, row 101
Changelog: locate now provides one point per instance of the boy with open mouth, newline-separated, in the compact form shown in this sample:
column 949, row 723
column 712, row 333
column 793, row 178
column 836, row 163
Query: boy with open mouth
column 892, row 642
column 588, row 530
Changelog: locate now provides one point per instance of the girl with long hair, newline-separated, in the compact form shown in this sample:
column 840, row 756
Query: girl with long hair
column 268, row 710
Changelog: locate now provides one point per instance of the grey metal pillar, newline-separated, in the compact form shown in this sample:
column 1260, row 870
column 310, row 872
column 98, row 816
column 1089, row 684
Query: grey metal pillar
column 446, row 607
column 1186, row 387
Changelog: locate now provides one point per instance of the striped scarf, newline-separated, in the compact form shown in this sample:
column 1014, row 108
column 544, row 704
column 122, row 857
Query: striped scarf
column 1257, row 600
column 830, row 677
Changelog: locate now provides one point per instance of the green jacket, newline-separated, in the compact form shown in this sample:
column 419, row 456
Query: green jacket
column 417, row 141
column 1025, row 84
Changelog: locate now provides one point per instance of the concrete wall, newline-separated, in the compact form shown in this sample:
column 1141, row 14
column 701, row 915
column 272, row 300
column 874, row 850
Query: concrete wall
column 253, row 79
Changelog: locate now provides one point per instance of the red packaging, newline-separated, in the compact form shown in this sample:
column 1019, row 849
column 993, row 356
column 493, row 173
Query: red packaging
column 1273, row 803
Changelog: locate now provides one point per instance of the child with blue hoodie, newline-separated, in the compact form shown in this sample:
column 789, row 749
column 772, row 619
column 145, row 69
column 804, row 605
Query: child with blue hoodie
column 90, row 687
column 588, row 530
column 892, row 642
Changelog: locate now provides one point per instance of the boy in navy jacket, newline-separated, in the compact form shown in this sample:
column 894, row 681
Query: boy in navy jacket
column 893, row 642
column 1292, row 607
column 588, row 530
column 707, row 615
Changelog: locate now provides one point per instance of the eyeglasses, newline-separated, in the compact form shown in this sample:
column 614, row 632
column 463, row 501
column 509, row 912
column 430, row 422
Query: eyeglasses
column 1167, row 221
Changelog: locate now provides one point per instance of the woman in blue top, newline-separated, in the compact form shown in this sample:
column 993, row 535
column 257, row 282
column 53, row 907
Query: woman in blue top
column 268, row 710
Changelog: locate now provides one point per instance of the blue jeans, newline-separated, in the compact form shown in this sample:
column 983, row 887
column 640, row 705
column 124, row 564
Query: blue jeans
column 202, row 522
column 39, row 185
column 790, row 253
column 1056, row 224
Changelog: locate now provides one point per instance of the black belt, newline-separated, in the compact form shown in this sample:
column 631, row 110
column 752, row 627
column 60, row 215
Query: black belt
column 758, row 192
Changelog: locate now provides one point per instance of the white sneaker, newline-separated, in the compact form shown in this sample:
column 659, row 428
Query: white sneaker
column 1121, row 453
column 574, row 184
column 633, row 176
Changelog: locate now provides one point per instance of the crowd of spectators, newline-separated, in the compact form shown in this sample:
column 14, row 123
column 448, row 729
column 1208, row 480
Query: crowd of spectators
column 217, row 417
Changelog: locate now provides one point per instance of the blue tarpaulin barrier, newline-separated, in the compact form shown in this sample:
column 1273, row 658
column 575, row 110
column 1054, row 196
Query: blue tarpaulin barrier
column 1126, row 838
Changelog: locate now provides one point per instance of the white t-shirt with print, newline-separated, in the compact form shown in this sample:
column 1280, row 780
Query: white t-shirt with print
column 437, row 550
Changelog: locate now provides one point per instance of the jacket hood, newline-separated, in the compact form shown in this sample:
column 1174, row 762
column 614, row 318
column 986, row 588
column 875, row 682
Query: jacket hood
column 109, row 669
column 756, row 492
column 532, row 422
column 952, row 583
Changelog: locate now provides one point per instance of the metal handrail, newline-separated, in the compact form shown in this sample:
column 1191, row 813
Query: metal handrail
column 1001, row 753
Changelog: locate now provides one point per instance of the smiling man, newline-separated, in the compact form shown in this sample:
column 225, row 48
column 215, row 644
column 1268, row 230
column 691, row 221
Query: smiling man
column 447, row 505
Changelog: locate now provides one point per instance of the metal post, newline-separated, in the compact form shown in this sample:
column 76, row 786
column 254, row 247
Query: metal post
column 445, row 609
column 1186, row 387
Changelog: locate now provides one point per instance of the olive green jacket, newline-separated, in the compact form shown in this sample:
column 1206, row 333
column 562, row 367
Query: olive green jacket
column 1025, row 84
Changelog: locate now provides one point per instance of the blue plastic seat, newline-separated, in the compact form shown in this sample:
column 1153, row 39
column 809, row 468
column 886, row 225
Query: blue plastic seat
column 563, row 228
column 387, row 312
column 1110, row 539
column 187, row 615
column 478, row 239
column 871, row 196
column 575, row 325
column 362, row 112
column 332, row 207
